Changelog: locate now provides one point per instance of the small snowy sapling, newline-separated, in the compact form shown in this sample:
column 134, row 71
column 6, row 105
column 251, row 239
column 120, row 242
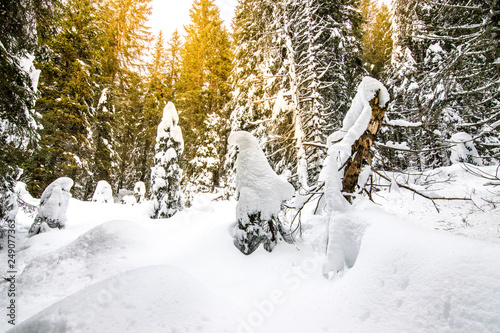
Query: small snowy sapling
column 464, row 150
column 140, row 191
column 53, row 206
column 166, row 174
column 103, row 193
column 260, row 194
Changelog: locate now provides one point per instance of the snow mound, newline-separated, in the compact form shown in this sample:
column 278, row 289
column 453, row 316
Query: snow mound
column 64, row 183
column 104, row 251
column 148, row 299
column 103, row 193
column 260, row 189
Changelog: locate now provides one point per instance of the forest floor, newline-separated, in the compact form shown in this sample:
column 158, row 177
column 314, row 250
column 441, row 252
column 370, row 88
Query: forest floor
column 419, row 267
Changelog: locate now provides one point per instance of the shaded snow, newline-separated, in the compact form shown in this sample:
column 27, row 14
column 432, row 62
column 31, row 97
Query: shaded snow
column 127, row 303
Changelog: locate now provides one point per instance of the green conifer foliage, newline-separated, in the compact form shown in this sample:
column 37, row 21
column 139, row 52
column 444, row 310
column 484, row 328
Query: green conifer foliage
column 203, row 86
column 24, row 25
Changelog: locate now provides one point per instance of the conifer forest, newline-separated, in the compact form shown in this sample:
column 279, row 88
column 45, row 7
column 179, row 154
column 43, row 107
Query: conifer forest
column 84, row 84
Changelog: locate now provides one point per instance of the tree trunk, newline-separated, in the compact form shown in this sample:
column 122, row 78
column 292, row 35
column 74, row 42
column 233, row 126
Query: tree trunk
column 361, row 154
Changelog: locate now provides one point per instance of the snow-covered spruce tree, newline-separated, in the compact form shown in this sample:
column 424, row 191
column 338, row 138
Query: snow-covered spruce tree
column 446, row 78
column 103, row 193
column 67, row 89
column 294, row 71
column 25, row 26
column 166, row 174
column 209, row 154
column 53, row 206
column 260, row 193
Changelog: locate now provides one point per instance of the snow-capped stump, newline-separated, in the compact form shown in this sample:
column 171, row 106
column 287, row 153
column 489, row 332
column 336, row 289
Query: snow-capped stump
column 53, row 206
column 361, row 124
column 260, row 194
column 166, row 174
column 350, row 147
column 103, row 193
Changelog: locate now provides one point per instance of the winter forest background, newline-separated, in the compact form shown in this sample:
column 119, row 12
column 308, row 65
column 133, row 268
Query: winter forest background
column 287, row 73
column 331, row 125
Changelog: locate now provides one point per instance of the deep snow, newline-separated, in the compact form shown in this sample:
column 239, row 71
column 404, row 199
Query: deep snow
column 112, row 269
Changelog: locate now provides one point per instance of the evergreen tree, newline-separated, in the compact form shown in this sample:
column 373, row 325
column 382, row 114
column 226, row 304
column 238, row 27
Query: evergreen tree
column 166, row 174
column 162, row 74
column 126, row 42
column 68, row 87
column 377, row 41
column 203, row 87
column 173, row 65
column 25, row 25
column 53, row 206
column 260, row 193
column 295, row 69
column 445, row 77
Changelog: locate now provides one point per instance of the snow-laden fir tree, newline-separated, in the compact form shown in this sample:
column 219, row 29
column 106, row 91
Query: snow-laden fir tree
column 25, row 25
column 260, row 192
column 53, row 206
column 203, row 88
column 166, row 175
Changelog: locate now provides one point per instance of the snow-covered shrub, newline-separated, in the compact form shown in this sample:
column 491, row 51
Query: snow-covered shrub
column 464, row 149
column 103, row 193
column 53, row 206
column 260, row 193
column 166, row 174
column 122, row 193
column 140, row 191
column 129, row 200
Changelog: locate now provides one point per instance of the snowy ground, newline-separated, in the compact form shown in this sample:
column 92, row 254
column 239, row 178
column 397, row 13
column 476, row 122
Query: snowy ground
column 114, row 270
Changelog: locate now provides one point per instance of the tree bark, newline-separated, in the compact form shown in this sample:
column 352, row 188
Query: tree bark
column 361, row 150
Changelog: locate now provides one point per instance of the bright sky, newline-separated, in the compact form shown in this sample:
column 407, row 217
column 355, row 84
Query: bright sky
column 168, row 15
